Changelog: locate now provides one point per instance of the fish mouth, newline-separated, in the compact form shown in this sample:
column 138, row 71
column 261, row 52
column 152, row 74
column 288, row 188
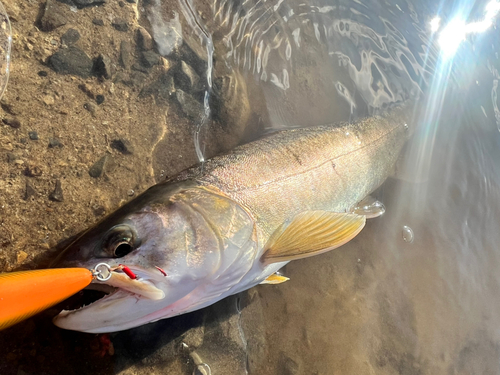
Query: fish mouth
column 103, row 301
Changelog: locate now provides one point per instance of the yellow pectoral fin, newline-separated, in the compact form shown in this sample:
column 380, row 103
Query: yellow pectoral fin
column 275, row 279
column 311, row 233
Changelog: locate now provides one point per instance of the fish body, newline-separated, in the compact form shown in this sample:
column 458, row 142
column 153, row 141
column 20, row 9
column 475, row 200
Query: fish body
column 221, row 229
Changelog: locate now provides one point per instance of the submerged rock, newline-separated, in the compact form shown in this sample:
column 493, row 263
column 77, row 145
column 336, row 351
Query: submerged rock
column 88, row 3
column 101, row 166
column 144, row 39
column 57, row 194
column 150, row 59
column 162, row 88
column 103, row 67
column 71, row 36
column 122, row 145
column 52, row 16
column 186, row 78
column 120, row 25
column 190, row 106
column 71, row 60
column 55, row 142
column 12, row 122
column 125, row 54
column 29, row 191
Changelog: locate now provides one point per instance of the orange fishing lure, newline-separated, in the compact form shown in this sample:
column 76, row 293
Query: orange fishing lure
column 25, row 293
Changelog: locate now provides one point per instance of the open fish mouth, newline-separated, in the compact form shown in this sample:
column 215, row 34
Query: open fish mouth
column 101, row 302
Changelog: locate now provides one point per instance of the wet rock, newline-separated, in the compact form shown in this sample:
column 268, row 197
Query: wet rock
column 125, row 54
column 98, row 22
column 134, row 79
column 53, row 16
column 150, row 59
column 162, row 88
column 88, row 3
column 43, row 73
column 140, row 68
column 103, row 67
column 91, row 107
column 144, row 39
column 122, row 145
column 99, row 99
column 120, row 24
column 190, row 106
column 29, row 191
column 12, row 122
column 21, row 257
column 57, row 194
column 186, row 78
column 32, row 170
column 55, row 142
column 71, row 60
column 33, row 135
column 104, row 165
column 71, row 36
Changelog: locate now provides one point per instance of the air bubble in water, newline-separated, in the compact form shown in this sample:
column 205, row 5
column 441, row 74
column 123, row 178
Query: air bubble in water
column 408, row 234
column 369, row 207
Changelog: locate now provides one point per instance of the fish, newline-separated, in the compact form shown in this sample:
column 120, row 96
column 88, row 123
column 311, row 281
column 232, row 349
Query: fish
column 220, row 228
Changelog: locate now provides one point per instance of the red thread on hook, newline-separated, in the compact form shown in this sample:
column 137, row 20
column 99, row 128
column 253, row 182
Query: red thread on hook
column 128, row 272
column 163, row 272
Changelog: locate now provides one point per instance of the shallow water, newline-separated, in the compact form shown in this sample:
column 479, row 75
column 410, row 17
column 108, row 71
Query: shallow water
column 414, row 293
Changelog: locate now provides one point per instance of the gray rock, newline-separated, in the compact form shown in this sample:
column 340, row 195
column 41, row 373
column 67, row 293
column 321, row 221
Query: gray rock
column 132, row 1
column 12, row 122
column 71, row 60
column 71, row 36
column 53, row 16
column 55, row 142
column 162, row 88
column 125, row 54
column 88, row 3
column 122, row 145
column 186, row 78
column 103, row 67
column 98, row 22
column 190, row 106
column 33, row 135
column 57, row 194
column 104, row 165
column 144, row 39
column 140, row 68
column 150, row 59
column 29, row 191
column 120, row 25
column 12, row 157
column 91, row 107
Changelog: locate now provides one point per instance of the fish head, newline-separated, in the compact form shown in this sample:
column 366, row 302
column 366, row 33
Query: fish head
column 170, row 238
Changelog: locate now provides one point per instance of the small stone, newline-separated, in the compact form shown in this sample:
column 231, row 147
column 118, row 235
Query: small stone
column 162, row 88
column 150, row 59
column 104, row 164
column 12, row 157
column 57, row 194
column 190, row 106
column 103, row 67
column 88, row 3
column 125, row 54
column 91, row 107
column 12, row 122
column 120, row 24
column 71, row 36
column 32, row 170
column 48, row 99
column 53, row 16
column 71, row 60
column 121, row 4
column 33, row 135
column 21, row 257
column 43, row 73
column 144, row 39
column 55, row 142
column 99, row 99
column 140, row 68
column 98, row 22
column 29, row 191
column 186, row 78
column 99, row 210
column 122, row 145
column 132, row 1
column 130, row 193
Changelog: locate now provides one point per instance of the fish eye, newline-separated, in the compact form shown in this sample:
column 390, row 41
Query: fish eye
column 120, row 241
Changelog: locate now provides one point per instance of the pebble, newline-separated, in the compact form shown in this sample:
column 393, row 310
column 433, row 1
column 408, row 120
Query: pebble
column 122, row 145
column 103, row 67
column 12, row 157
column 99, row 210
column 125, row 54
column 190, row 106
column 162, row 88
column 87, row 3
column 144, row 39
column 48, row 99
column 71, row 36
column 33, row 135
column 186, row 78
column 57, row 194
column 150, row 59
column 43, row 73
column 53, row 16
column 29, row 191
column 55, row 142
column 12, row 122
column 132, row 1
column 120, row 24
column 32, row 170
column 21, row 257
column 104, row 164
column 98, row 22
column 71, row 60
column 91, row 107
column 99, row 99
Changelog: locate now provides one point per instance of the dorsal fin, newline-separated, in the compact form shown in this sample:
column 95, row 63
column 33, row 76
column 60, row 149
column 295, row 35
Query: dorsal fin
column 311, row 233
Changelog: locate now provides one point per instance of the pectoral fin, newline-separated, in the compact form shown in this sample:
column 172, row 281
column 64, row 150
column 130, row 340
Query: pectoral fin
column 311, row 233
column 275, row 279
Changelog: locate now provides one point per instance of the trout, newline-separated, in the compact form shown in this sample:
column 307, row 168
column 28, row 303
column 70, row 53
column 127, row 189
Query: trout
column 220, row 229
